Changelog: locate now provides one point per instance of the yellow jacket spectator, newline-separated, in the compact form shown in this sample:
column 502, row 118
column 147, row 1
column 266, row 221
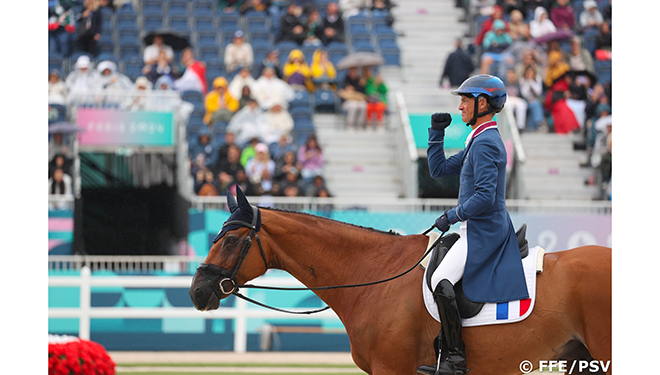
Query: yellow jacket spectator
column 219, row 104
column 296, row 72
column 323, row 72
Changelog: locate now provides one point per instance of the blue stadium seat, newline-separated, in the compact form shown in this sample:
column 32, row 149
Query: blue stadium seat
column 256, row 21
column 107, row 56
column 358, row 27
column 133, row 71
column 228, row 22
column 385, row 43
column 209, row 52
column 153, row 22
column 178, row 22
column 194, row 97
column 129, row 49
column 154, row 6
column 325, row 101
column 301, row 111
column 365, row 47
column 603, row 70
column 360, row 38
column 203, row 6
column 105, row 43
column 178, row 8
column 301, row 99
column 204, row 22
column 206, row 38
column 56, row 62
column 392, row 56
column 260, row 36
column 126, row 21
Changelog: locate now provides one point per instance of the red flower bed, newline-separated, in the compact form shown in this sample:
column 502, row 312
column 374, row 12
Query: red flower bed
column 79, row 357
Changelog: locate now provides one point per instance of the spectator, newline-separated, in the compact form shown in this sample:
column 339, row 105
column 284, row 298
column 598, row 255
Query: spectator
column 317, row 184
column 324, row 75
column 60, row 184
column 242, row 79
column 82, row 81
column 246, row 95
column 208, row 188
column 530, row 57
column 261, row 169
column 111, row 79
column 169, row 100
column 244, row 183
column 270, row 90
column 458, row 66
column 249, row 123
column 283, row 145
column 296, row 72
column 228, row 6
column 578, row 58
column 313, row 23
column 310, row 156
column 254, row 6
column 194, row 75
column 141, row 100
column 159, row 68
column 89, row 28
column 590, row 18
column 153, row 51
column 238, row 53
column 495, row 44
column 59, row 144
column 56, row 88
column 279, row 122
column 229, row 167
column 555, row 101
column 601, row 148
column 517, row 25
column 604, row 42
column 291, row 28
column 376, row 92
column 60, row 161
column 199, row 179
column 332, row 25
column 531, row 89
column 486, row 26
column 324, row 210
column 205, row 147
column 562, row 15
column 286, row 164
column 220, row 106
column 272, row 60
column 353, row 7
column 61, row 27
column 516, row 105
column 355, row 99
column 223, row 150
column 248, row 151
column 541, row 25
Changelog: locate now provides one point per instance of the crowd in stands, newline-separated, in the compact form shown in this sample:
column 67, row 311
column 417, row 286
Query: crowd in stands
column 554, row 57
column 236, row 96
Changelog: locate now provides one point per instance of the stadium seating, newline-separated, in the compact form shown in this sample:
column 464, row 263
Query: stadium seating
column 325, row 101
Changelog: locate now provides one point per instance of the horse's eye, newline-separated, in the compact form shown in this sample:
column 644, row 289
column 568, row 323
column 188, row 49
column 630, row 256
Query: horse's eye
column 232, row 240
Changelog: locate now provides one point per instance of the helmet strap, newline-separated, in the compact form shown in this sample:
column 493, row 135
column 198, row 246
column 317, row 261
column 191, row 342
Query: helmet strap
column 476, row 114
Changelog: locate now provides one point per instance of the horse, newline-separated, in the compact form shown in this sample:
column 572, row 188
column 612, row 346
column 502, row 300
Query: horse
column 388, row 326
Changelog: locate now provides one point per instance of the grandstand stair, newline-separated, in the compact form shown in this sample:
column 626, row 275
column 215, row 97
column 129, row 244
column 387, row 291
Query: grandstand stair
column 428, row 29
column 552, row 168
column 357, row 163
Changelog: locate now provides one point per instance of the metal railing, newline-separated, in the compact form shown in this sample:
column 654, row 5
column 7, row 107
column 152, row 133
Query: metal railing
column 239, row 312
column 406, row 150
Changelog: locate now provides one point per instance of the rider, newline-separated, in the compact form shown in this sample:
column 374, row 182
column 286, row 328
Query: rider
column 486, row 256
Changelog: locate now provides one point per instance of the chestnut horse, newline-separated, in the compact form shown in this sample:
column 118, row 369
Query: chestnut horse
column 389, row 328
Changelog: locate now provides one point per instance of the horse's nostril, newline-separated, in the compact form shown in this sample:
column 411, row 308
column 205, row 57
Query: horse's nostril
column 199, row 293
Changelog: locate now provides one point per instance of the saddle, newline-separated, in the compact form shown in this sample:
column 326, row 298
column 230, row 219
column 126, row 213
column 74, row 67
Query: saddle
column 466, row 308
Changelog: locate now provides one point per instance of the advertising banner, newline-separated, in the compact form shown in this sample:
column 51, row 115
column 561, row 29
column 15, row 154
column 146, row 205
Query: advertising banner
column 111, row 127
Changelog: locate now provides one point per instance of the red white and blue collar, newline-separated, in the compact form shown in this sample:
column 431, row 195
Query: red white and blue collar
column 480, row 129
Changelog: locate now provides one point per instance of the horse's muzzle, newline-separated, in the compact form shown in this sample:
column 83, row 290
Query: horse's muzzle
column 209, row 286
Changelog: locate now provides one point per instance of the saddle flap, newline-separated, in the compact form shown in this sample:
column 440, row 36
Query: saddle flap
column 442, row 246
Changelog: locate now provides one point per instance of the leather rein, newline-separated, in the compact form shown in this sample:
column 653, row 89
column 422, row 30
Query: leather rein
column 224, row 281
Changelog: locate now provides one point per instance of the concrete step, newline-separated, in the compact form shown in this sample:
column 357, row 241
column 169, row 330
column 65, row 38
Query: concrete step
column 577, row 193
column 340, row 191
column 357, row 168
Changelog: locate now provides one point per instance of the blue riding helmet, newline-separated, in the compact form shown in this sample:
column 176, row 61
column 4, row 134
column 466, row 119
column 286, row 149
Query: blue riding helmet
column 489, row 86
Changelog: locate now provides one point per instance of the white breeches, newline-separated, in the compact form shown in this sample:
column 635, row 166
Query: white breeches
column 453, row 264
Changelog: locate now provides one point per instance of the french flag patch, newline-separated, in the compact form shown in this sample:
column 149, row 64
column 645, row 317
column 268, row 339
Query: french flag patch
column 512, row 309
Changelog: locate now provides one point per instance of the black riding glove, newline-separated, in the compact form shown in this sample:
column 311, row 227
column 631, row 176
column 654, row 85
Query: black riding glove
column 443, row 223
column 440, row 120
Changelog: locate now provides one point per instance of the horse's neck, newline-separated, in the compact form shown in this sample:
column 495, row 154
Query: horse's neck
column 320, row 252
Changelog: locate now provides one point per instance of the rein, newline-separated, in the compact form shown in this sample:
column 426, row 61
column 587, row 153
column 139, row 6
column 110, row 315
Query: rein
column 224, row 281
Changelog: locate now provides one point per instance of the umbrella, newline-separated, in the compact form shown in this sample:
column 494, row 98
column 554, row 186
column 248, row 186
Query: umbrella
column 557, row 35
column 63, row 127
column 583, row 73
column 360, row 59
column 174, row 39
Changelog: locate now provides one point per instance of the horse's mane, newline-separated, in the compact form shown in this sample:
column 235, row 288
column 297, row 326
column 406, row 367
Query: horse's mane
column 390, row 232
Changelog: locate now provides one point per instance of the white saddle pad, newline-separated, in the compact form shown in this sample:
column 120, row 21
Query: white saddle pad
column 499, row 313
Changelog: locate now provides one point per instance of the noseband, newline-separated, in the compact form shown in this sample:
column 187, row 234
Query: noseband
column 222, row 280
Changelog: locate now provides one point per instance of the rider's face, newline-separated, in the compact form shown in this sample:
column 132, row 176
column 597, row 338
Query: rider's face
column 466, row 106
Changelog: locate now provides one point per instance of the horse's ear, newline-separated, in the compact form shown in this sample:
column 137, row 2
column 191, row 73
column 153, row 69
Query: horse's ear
column 231, row 202
column 243, row 203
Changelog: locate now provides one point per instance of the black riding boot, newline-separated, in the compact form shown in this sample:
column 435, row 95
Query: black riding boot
column 451, row 359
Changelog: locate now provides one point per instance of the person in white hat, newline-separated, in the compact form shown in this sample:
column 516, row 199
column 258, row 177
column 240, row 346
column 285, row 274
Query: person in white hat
column 590, row 16
column 238, row 53
column 82, row 81
column 111, row 79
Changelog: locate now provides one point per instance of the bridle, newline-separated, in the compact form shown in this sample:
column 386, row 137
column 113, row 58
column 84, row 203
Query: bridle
column 223, row 281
